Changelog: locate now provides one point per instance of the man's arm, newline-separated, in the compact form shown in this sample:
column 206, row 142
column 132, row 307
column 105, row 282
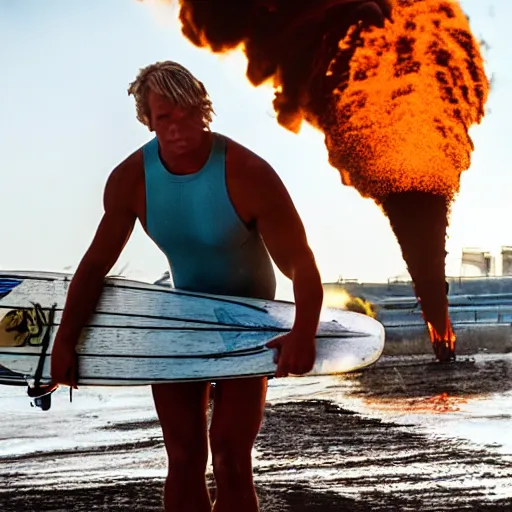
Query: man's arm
column 284, row 235
column 86, row 286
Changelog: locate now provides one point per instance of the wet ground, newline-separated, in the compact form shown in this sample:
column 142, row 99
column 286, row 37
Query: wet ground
column 407, row 434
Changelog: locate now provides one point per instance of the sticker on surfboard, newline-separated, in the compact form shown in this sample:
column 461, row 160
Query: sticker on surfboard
column 22, row 327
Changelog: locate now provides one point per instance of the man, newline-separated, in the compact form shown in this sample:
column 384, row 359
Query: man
column 214, row 208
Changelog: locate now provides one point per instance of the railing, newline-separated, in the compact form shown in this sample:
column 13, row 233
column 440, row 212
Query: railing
column 458, row 316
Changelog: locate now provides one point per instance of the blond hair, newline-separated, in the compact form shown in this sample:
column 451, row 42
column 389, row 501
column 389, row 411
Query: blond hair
column 173, row 81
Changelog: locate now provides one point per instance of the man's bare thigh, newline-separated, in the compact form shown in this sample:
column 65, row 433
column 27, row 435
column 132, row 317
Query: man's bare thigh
column 238, row 408
column 181, row 409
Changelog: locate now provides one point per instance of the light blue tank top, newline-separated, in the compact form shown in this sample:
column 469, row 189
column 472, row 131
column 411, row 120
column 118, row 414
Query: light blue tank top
column 192, row 220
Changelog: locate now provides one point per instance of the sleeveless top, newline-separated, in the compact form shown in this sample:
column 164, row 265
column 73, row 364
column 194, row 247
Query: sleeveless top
column 192, row 220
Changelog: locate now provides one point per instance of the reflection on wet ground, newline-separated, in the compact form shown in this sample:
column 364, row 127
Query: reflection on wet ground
column 407, row 433
column 421, row 376
column 378, row 463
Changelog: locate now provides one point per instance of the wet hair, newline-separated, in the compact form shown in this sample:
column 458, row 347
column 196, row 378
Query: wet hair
column 173, row 81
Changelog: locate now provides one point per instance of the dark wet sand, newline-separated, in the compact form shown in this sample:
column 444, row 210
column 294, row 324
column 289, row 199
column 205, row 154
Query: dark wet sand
column 308, row 450
column 145, row 496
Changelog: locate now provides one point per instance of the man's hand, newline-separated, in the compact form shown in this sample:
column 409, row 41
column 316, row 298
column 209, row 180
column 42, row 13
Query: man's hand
column 64, row 365
column 295, row 354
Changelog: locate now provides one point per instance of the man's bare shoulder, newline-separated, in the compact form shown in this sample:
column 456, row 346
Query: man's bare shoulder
column 124, row 179
column 129, row 170
column 247, row 163
column 255, row 186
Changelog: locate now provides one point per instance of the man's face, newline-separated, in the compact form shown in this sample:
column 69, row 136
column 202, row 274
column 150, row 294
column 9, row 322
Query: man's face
column 179, row 130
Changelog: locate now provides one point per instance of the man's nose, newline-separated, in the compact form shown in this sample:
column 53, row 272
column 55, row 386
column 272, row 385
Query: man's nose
column 173, row 131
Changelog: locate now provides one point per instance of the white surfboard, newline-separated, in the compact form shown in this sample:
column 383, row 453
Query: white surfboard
column 143, row 333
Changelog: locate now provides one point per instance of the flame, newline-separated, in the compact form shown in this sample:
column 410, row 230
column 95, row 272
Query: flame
column 342, row 299
column 444, row 343
column 395, row 102
column 336, row 299
column 401, row 122
column 445, row 402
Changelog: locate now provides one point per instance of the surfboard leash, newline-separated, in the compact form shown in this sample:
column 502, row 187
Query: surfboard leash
column 41, row 393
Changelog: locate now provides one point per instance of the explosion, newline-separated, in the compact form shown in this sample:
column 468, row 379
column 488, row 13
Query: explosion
column 394, row 87
column 342, row 299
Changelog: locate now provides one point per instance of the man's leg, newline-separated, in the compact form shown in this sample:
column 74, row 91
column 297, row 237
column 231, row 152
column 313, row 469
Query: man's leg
column 237, row 415
column 181, row 409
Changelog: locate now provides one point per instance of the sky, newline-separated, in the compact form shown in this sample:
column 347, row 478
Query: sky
column 66, row 121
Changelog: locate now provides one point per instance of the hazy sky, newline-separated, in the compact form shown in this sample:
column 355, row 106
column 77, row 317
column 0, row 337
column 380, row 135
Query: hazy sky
column 66, row 120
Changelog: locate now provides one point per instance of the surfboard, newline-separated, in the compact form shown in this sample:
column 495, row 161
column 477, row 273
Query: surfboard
column 142, row 333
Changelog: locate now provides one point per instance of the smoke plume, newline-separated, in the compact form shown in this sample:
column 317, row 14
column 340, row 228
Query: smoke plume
column 394, row 86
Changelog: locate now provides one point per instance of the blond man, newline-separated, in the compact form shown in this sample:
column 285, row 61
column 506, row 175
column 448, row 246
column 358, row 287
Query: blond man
column 220, row 214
